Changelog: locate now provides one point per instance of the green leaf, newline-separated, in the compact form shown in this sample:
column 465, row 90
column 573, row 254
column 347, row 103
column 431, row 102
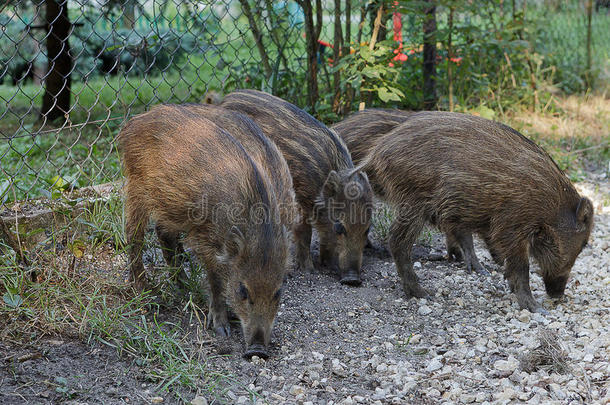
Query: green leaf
column 371, row 72
column 12, row 300
column 4, row 186
column 386, row 94
column 366, row 54
column 59, row 183
column 61, row 381
column 77, row 248
column 484, row 112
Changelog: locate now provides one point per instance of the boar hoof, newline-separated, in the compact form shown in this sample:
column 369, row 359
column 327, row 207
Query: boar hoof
column 454, row 256
column 223, row 330
column 256, row 350
column 351, row 280
column 477, row 268
column 306, row 266
column 415, row 291
column 529, row 303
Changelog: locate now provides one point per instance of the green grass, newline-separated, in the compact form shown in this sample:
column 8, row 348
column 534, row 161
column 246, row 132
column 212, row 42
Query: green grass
column 81, row 292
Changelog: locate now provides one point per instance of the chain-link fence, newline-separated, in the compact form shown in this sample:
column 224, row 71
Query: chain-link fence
column 72, row 71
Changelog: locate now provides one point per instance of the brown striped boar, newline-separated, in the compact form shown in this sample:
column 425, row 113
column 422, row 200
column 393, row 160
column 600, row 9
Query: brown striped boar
column 470, row 175
column 333, row 196
column 361, row 131
column 193, row 178
column 261, row 149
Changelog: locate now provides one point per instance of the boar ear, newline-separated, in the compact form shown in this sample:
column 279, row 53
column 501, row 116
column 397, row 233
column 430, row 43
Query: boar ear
column 332, row 185
column 359, row 174
column 545, row 242
column 235, row 241
column 584, row 211
column 233, row 246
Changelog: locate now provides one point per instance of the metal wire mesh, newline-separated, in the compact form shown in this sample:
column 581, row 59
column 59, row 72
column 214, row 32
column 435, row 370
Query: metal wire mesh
column 122, row 56
column 72, row 71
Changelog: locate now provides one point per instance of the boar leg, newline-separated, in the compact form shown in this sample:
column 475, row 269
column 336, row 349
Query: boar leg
column 494, row 253
column 136, row 220
column 454, row 253
column 328, row 252
column 403, row 233
column 517, row 274
column 173, row 252
column 218, row 316
column 302, row 234
column 464, row 239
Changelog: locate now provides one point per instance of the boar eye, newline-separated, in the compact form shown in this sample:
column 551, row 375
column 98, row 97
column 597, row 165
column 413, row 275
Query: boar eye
column 339, row 228
column 367, row 230
column 242, row 291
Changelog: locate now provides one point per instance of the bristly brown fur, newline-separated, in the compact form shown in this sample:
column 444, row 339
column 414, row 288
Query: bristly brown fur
column 469, row 175
column 322, row 172
column 193, row 178
column 361, row 130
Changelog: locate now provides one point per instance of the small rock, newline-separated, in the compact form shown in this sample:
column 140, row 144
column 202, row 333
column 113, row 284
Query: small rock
column 505, row 395
column 242, row 400
column 297, row 390
column 557, row 392
column 509, row 365
column 434, row 393
column 317, row 356
column 199, row 400
column 525, row 316
column 156, row 400
column 424, row 310
column 434, row 365
column 467, row 398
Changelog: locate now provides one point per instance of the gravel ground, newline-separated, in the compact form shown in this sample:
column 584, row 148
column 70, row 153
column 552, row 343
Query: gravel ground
column 468, row 343
column 333, row 344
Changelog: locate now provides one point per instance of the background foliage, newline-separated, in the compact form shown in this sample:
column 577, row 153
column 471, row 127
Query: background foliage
column 329, row 57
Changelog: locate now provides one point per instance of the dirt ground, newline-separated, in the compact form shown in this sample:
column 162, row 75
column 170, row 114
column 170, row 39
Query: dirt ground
column 467, row 343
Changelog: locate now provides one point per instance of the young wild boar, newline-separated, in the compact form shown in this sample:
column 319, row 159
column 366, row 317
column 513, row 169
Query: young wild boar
column 361, row 131
column 333, row 196
column 470, row 175
column 193, row 178
column 261, row 149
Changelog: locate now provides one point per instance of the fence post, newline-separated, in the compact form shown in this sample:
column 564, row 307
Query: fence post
column 450, row 57
column 56, row 99
column 337, row 43
column 588, row 75
column 312, row 33
column 258, row 37
column 430, row 55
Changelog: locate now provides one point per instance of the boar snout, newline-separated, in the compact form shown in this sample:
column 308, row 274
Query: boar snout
column 257, row 345
column 555, row 286
column 256, row 350
column 351, row 275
